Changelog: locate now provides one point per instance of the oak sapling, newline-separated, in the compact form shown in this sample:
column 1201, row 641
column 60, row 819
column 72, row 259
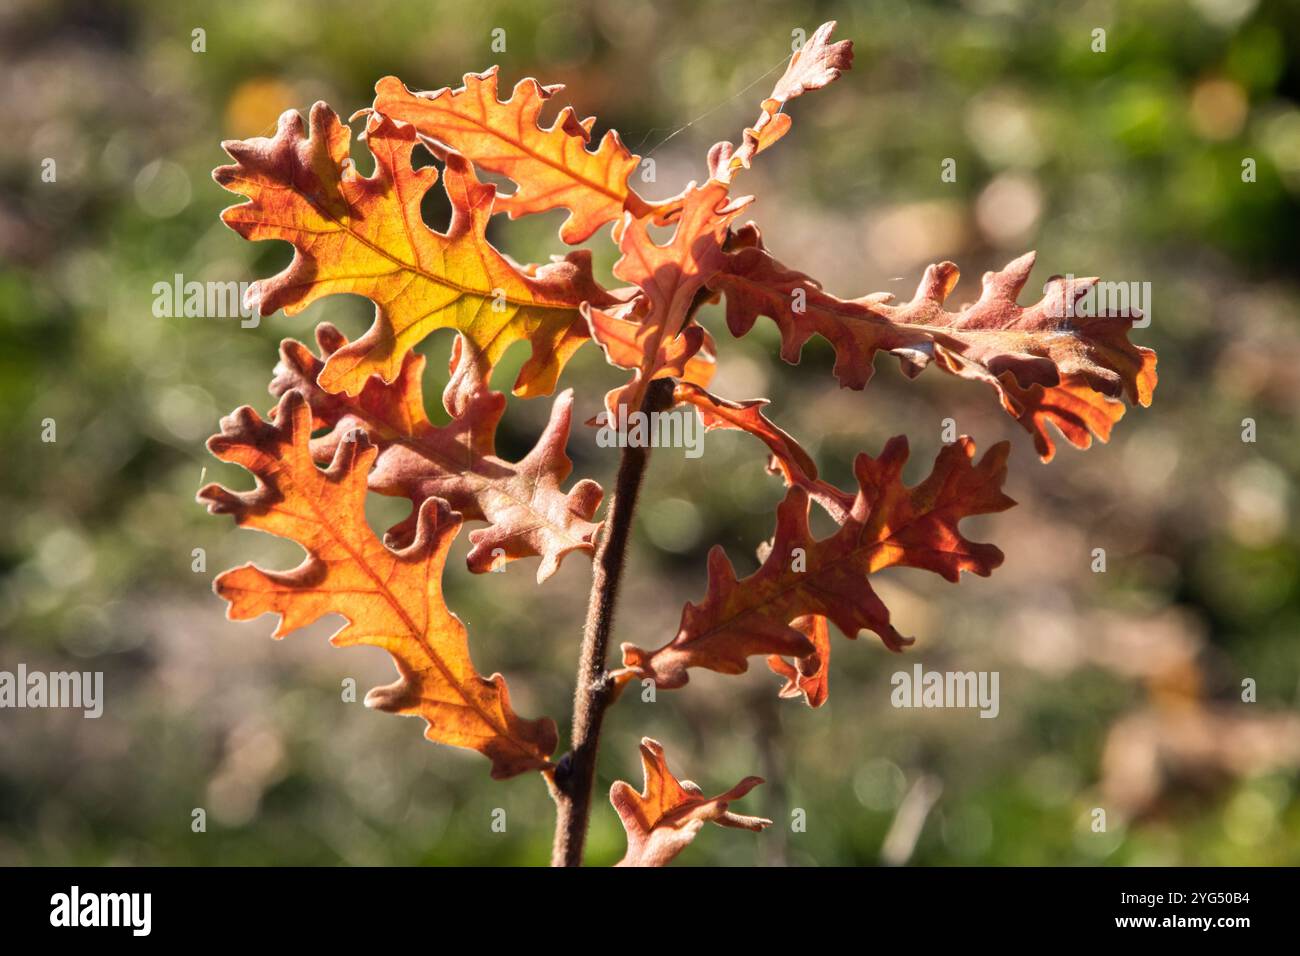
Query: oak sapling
column 1046, row 363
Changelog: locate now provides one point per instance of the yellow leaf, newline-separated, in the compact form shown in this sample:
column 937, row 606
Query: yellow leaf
column 365, row 235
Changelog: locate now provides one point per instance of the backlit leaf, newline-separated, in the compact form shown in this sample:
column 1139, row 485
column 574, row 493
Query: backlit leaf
column 889, row 525
column 527, row 512
column 816, row 64
column 1012, row 348
column 666, row 816
column 365, row 235
column 644, row 335
column 552, row 167
column 389, row 598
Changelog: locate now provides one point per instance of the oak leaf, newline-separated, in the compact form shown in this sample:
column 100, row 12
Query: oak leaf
column 814, row 65
column 807, row 677
column 889, row 525
column 365, row 235
column 651, row 334
column 390, row 598
column 1014, row 349
column 666, row 816
column 552, row 167
column 1076, row 411
column 527, row 512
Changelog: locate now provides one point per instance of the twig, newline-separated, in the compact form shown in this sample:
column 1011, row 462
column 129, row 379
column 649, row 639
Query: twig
column 572, row 781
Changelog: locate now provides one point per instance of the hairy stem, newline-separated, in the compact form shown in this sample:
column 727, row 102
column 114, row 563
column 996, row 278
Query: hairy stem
column 572, row 781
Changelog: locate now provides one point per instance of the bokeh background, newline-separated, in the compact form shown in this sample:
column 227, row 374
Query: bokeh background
column 1119, row 690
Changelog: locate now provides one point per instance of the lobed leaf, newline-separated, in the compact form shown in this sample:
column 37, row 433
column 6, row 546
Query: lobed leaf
column 552, row 167
column 365, row 235
column 527, row 512
column 1041, row 360
column 816, row 64
column 650, row 334
column 888, row 525
column 665, row 817
column 389, row 598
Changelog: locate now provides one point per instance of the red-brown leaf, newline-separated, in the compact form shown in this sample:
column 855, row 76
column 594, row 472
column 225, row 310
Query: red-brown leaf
column 1013, row 349
column 644, row 335
column 889, row 525
column 663, row 819
column 527, row 512
column 814, row 65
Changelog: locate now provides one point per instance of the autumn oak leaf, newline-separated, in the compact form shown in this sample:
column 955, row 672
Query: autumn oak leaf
column 651, row 335
column 1039, row 359
column 809, row 676
column 552, row 167
column 527, row 511
column 391, row 598
column 365, row 235
column 665, row 817
column 889, row 525
column 816, row 64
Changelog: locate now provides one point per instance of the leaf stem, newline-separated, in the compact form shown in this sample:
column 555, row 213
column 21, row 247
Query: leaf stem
column 572, row 781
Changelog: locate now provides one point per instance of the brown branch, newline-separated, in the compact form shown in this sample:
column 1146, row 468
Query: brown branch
column 572, row 781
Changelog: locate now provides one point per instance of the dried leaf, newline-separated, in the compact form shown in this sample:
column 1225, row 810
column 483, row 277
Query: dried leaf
column 807, row 677
column 889, row 525
column 552, row 166
column 1011, row 348
column 816, row 64
column 365, row 235
column 664, row 818
column 527, row 512
column 391, row 599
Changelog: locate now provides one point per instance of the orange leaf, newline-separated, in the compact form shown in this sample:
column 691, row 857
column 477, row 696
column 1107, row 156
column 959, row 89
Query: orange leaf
column 650, row 334
column 365, row 235
column 621, row 333
column 664, row 818
column 522, row 502
column 1073, row 407
column 1013, row 349
column 552, row 167
column 391, row 599
column 888, row 525
column 807, row 677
